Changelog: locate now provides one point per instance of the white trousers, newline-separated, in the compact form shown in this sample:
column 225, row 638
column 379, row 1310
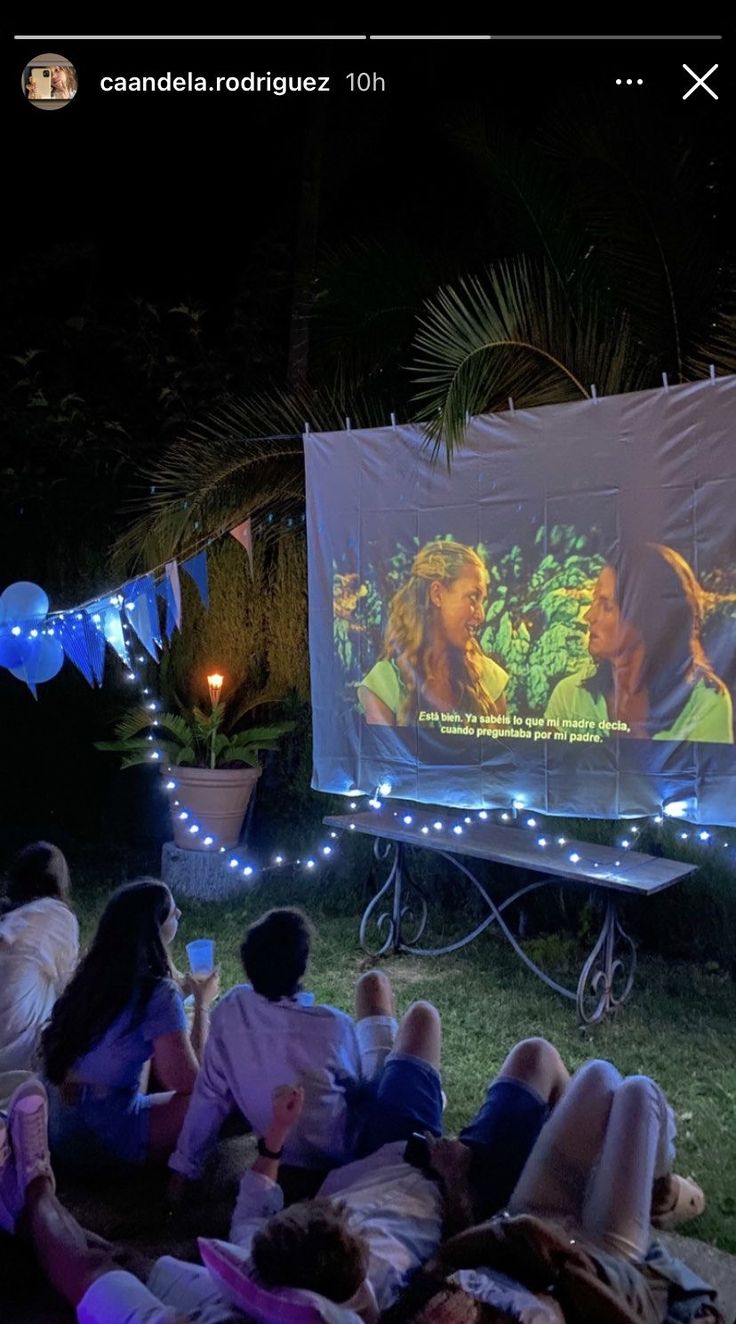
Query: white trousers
column 596, row 1158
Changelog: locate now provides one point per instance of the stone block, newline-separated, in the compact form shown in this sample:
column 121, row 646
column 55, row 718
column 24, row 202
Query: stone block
column 202, row 875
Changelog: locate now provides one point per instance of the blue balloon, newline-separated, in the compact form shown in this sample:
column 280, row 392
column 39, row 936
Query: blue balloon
column 11, row 651
column 23, row 602
column 43, row 658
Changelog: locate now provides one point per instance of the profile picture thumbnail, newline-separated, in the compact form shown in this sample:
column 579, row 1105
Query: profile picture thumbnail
column 49, row 81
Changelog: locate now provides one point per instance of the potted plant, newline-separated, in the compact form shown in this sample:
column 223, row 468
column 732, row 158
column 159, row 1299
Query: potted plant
column 210, row 772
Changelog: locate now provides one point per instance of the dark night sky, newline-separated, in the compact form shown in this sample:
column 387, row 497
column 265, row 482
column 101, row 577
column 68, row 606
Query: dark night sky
column 171, row 181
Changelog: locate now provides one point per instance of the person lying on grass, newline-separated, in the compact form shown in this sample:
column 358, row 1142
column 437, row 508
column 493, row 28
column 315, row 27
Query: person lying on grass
column 347, row 1255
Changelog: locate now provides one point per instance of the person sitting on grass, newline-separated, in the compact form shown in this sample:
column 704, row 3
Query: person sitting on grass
column 268, row 1031
column 121, row 1011
column 39, row 946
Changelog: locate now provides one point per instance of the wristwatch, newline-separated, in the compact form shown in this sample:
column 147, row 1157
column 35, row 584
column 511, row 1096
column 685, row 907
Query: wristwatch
column 265, row 1152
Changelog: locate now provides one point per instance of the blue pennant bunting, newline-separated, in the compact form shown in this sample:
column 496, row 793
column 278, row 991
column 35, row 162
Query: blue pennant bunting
column 74, row 642
column 196, row 568
column 112, row 628
column 141, row 609
column 95, row 641
column 170, row 590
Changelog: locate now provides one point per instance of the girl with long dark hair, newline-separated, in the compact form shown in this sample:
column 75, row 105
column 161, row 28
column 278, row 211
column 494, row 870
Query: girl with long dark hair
column 122, row 1010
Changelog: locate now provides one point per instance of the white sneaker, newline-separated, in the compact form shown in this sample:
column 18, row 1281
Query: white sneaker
column 9, row 1208
column 28, row 1114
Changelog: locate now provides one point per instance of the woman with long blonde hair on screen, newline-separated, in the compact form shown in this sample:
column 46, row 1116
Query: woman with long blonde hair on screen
column 63, row 82
column 431, row 659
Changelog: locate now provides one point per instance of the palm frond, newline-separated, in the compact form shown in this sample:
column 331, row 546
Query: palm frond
column 245, row 701
column 116, row 746
column 132, row 723
column 175, row 725
column 257, row 735
column 245, row 461
column 515, row 335
column 242, row 756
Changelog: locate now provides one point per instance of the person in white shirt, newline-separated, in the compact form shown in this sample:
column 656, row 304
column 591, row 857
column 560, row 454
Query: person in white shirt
column 39, row 946
column 268, row 1031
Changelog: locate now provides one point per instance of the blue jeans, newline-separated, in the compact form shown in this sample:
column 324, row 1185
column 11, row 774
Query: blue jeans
column 404, row 1098
column 502, row 1136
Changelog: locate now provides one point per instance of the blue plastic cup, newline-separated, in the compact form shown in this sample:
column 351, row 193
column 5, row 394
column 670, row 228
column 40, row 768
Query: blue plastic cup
column 201, row 954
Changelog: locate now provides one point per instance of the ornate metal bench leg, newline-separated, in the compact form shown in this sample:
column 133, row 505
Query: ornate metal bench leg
column 606, row 978
column 389, row 922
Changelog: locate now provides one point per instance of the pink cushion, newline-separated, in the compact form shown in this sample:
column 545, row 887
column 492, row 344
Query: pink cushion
column 266, row 1305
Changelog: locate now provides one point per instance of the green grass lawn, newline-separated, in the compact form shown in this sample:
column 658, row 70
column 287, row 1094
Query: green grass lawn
column 679, row 1027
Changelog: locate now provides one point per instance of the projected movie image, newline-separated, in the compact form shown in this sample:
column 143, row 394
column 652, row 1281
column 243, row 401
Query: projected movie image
column 552, row 621
column 567, row 647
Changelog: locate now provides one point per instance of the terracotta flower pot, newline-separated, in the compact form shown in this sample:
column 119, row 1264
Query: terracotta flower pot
column 213, row 798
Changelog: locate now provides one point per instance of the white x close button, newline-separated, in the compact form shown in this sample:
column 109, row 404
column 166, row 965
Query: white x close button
column 700, row 82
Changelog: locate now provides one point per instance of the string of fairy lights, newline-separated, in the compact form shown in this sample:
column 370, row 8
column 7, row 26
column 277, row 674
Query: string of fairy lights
column 238, row 861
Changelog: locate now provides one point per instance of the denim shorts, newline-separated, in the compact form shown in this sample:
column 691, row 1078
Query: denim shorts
column 404, row 1098
column 502, row 1136
column 96, row 1132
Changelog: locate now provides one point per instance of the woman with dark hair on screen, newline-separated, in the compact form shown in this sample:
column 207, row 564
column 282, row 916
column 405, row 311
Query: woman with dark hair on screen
column 39, row 945
column 121, row 1010
column 652, row 674
column 431, row 656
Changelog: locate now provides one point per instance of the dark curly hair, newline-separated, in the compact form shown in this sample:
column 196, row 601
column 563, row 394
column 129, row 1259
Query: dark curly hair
column 310, row 1245
column 275, row 952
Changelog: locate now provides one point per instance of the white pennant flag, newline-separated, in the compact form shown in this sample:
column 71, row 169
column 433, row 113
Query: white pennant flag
column 172, row 575
column 242, row 533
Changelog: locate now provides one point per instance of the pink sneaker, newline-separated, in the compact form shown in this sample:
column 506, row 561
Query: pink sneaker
column 28, row 1113
column 9, row 1209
